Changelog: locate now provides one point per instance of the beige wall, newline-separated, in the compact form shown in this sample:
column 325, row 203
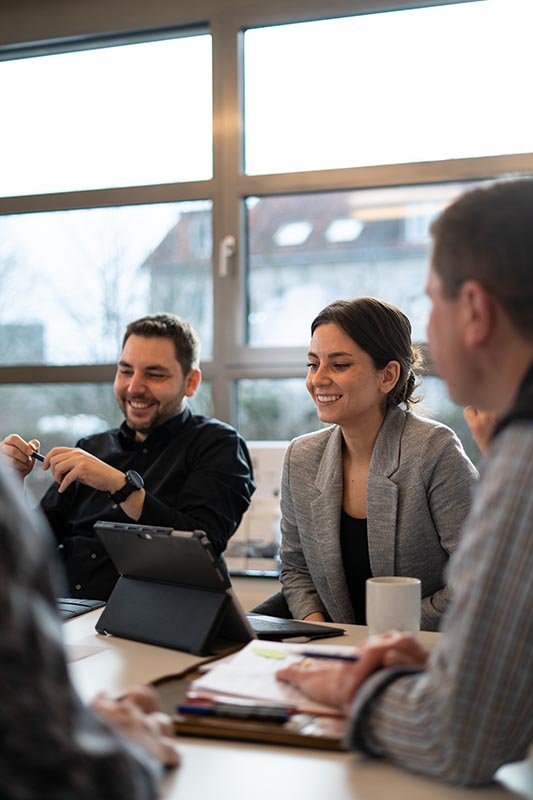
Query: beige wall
column 252, row 591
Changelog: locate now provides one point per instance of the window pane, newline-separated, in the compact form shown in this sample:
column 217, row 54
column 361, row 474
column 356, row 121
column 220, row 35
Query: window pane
column 61, row 413
column 202, row 402
column 400, row 86
column 70, row 281
column 57, row 415
column 343, row 245
column 116, row 116
column 437, row 404
column 274, row 409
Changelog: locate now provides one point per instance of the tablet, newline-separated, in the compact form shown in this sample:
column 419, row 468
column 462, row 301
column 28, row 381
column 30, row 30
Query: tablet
column 171, row 590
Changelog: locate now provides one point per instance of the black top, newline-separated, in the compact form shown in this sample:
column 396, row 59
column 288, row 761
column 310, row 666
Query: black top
column 356, row 562
column 197, row 475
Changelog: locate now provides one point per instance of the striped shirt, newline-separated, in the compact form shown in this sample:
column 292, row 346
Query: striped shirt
column 471, row 710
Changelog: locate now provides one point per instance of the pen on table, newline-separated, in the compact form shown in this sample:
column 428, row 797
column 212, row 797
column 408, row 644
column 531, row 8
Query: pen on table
column 261, row 713
column 37, row 456
column 332, row 656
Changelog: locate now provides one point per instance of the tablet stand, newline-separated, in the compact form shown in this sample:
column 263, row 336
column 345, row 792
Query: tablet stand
column 180, row 617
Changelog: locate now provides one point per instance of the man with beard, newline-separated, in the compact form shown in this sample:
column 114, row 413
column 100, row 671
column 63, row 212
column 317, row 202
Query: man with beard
column 164, row 466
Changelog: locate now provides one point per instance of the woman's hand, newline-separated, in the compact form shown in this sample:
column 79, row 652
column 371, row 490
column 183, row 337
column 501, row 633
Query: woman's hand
column 138, row 717
column 315, row 616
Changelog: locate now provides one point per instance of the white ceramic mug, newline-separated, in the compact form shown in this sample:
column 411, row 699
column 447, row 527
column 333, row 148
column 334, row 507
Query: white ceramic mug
column 393, row 603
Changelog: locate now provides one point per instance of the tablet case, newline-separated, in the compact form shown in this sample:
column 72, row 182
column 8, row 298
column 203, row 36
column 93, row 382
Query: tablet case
column 171, row 591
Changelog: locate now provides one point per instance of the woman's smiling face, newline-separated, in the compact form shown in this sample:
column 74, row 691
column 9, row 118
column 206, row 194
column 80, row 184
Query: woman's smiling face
column 342, row 378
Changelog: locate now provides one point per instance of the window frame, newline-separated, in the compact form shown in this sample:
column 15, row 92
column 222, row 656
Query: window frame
column 96, row 24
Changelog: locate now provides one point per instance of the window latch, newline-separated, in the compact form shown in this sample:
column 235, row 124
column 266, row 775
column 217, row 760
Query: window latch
column 226, row 251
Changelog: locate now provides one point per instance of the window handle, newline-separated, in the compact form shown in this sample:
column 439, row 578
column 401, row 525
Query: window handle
column 226, row 251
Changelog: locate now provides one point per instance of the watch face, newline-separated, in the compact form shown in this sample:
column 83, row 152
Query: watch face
column 133, row 482
column 134, row 479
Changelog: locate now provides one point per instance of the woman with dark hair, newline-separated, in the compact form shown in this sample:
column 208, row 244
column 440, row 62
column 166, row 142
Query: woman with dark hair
column 380, row 491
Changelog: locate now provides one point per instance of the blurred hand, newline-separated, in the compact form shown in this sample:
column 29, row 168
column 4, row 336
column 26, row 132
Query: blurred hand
column 335, row 683
column 401, row 649
column 18, row 453
column 137, row 716
column 481, row 424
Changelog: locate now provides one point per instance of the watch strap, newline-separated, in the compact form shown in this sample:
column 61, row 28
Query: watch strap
column 133, row 484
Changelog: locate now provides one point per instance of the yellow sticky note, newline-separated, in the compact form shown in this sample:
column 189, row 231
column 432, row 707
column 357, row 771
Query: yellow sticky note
column 268, row 652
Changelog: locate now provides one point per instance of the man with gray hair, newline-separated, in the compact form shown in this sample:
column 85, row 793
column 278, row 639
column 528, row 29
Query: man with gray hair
column 462, row 711
column 164, row 466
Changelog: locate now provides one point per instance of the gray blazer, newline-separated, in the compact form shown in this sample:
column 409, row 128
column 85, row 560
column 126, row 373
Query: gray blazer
column 418, row 495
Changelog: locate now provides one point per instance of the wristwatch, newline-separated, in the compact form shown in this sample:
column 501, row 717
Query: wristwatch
column 134, row 482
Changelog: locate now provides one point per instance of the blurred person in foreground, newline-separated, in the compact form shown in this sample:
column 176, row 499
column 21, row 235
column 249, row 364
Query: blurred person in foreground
column 53, row 746
column 463, row 710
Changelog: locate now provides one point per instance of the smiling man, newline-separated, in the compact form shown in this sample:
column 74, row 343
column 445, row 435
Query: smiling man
column 164, row 466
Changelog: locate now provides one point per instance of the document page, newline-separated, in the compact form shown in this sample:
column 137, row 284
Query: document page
column 251, row 673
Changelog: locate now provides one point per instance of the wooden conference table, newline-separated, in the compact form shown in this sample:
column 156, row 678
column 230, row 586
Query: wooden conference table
column 236, row 771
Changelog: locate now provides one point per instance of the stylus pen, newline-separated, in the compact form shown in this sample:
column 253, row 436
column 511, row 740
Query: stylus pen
column 333, row 656
column 37, row 456
column 262, row 713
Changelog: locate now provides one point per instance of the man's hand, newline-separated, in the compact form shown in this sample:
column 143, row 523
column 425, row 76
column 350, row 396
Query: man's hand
column 481, row 424
column 18, row 453
column 336, row 683
column 137, row 716
column 69, row 464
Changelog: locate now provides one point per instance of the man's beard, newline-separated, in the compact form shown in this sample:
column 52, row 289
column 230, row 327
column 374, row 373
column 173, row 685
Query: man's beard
column 145, row 428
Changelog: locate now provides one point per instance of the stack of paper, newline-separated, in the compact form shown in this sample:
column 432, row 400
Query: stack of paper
column 251, row 674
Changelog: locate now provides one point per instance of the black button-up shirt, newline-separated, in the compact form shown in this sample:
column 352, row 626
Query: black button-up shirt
column 197, row 475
